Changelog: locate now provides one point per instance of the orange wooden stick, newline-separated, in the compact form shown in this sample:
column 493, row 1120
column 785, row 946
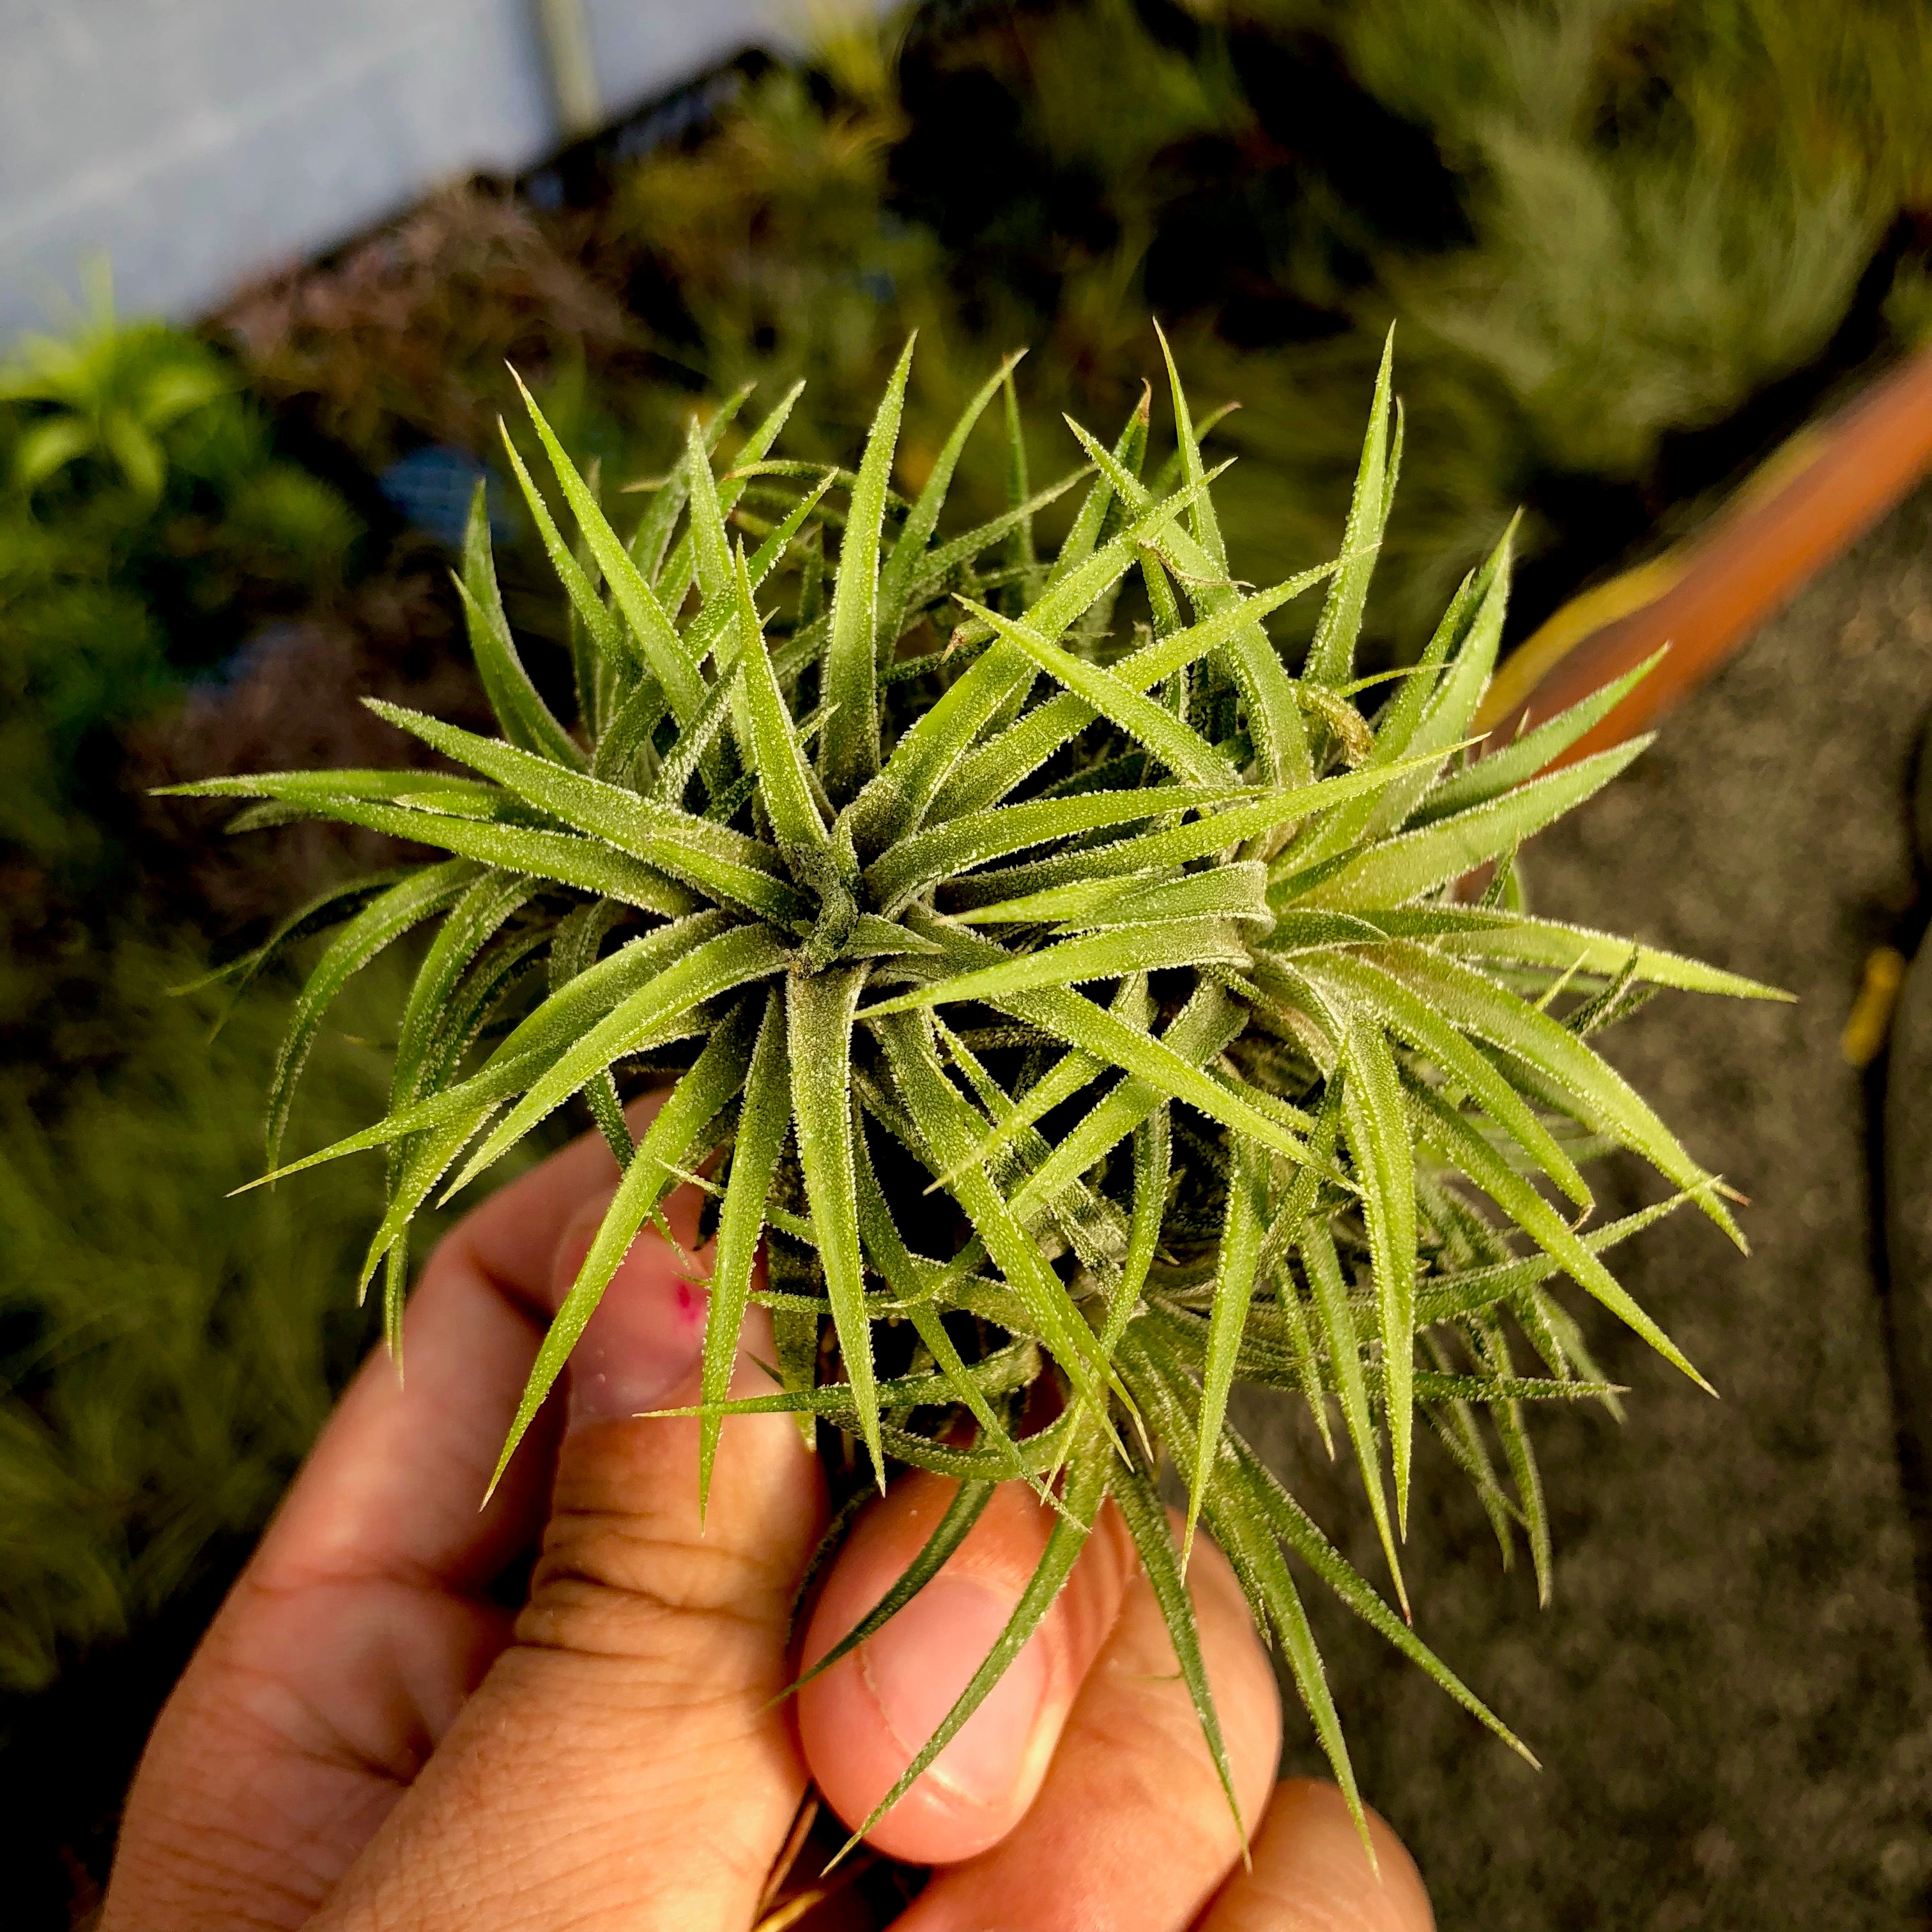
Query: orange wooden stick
column 1808, row 506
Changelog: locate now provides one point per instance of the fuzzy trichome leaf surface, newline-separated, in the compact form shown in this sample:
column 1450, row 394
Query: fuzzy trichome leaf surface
column 1080, row 1008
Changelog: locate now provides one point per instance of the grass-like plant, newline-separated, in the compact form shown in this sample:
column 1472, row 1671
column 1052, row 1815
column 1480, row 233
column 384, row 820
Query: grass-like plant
column 949, row 877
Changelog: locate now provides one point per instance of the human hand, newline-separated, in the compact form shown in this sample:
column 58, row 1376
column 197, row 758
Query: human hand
column 370, row 1737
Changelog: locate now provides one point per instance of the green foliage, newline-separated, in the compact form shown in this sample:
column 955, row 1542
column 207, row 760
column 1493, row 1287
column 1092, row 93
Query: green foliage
column 1602, row 224
column 169, row 1353
column 1148, row 952
column 145, row 520
column 1672, row 205
column 1613, row 232
column 164, row 1360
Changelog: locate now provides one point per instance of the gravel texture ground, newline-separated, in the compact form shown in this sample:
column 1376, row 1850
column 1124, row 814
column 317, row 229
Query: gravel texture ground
column 1731, row 1692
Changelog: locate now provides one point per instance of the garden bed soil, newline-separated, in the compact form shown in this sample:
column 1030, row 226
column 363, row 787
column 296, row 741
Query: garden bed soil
column 1730, row 1692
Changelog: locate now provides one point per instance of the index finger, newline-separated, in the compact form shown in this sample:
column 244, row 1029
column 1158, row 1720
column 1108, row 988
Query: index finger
column 394, row 1485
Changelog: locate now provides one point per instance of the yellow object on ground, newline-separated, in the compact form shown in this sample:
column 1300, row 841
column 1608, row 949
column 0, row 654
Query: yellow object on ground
column 1869, row 1023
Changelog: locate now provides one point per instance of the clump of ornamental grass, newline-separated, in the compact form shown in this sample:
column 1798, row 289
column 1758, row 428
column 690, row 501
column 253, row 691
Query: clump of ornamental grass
column 1080, row 1010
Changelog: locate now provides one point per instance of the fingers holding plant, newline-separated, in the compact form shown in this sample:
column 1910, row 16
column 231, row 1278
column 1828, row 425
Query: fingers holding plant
column 1083, row 1782
column 624, row 1742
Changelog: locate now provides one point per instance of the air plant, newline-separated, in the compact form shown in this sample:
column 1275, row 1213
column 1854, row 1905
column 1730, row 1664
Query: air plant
column 1028, row 909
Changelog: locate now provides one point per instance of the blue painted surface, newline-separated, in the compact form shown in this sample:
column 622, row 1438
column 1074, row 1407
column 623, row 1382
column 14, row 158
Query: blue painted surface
column 431, row 487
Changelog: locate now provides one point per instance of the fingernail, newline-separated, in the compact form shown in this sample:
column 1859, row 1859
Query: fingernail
column 640, row 1350
column 917, row 1666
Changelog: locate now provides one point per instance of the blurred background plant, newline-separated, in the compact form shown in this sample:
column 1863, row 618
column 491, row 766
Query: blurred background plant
column 1611, row 230
column 147, row 523
column 1630, row 246
column 183, row 1349
column 165, row 1356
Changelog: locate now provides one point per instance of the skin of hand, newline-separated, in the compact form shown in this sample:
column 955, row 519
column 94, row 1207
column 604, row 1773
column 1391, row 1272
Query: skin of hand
column 371, row 1736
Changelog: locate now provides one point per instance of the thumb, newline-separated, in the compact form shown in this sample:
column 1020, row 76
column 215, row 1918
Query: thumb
column 624, row 1759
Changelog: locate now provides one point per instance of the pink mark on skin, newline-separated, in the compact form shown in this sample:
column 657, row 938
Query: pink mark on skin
column 641, row 1343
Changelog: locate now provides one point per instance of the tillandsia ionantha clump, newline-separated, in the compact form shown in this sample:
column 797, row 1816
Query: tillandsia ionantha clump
column 929, row 868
